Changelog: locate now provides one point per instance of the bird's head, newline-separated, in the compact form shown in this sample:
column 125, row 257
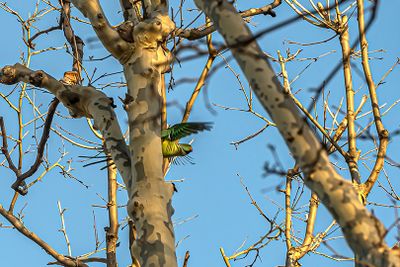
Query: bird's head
column 186, row 148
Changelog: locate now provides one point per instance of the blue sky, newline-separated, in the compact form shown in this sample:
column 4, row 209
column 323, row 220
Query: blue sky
column 212, row 191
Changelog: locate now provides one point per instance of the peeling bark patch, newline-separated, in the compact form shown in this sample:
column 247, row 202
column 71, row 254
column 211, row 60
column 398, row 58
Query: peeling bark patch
column 153, row 88
column 136, row 194
column 108, row 107
column 73, row 98
column 169, row 226
column 8, row 75
column 300, row 131
column 170, row 212
column 347, row 196
column 139, row 67
column 137, row 211
column 140, row 172
column 148, row 248
column 108, row 124
column 364, row 235
column 36, row 78
column 141, row 96
column 119, row 146
column 335, row 184
column 307, row 156
column 150, row 115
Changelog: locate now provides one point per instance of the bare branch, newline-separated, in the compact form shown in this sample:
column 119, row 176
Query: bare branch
column 193, row 34
column 82, row 101
column 39, row 156
column 380, row 129
column 109, row 36
column 337, row 194
column 66, row 261
column 112, row 230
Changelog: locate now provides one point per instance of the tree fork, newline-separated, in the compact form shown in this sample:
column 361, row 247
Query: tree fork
column 144, row 60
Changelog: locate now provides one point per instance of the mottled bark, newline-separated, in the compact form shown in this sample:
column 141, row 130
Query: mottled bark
column 202, row 31
column 149, row 196
column 81, row 101
column 139, row 49
column 108, row 35
column 363, row 232
column 129, row 10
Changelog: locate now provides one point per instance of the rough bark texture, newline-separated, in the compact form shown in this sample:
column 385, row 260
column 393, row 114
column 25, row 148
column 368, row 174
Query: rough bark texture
column 363, row 232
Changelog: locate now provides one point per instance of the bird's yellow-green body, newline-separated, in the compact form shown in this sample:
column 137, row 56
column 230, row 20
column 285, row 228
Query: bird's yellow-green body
column 171, row 148
column 174, row 149
column 170, row 138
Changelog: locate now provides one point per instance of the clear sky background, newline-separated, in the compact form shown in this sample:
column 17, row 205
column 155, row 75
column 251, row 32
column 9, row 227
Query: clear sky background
column 211, row 196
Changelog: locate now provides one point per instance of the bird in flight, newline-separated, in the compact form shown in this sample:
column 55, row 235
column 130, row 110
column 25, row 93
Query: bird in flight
column 171, row 148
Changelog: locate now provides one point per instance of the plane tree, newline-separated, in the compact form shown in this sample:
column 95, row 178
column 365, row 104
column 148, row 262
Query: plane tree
column 148, row 44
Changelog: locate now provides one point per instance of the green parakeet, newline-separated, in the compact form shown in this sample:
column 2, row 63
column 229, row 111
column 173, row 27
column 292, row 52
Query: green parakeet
column 170, row 138
column 171, row 148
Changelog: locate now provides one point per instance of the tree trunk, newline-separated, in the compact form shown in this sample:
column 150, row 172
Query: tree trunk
column 149, row 196
column 138, row 45
column 363, row 232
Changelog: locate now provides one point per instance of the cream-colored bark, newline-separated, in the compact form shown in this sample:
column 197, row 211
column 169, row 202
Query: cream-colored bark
column 81, row 101
column 363, row 232
column 150, row 197
column 107, row 34
column 139, row 49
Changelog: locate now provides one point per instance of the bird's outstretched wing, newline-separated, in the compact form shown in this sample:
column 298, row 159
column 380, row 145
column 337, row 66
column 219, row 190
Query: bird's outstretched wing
column 182, row 160
column 181, row 130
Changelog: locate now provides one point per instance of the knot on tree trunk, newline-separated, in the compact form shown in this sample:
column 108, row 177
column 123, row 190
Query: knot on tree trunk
column 149, row 33
column 8, row 75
